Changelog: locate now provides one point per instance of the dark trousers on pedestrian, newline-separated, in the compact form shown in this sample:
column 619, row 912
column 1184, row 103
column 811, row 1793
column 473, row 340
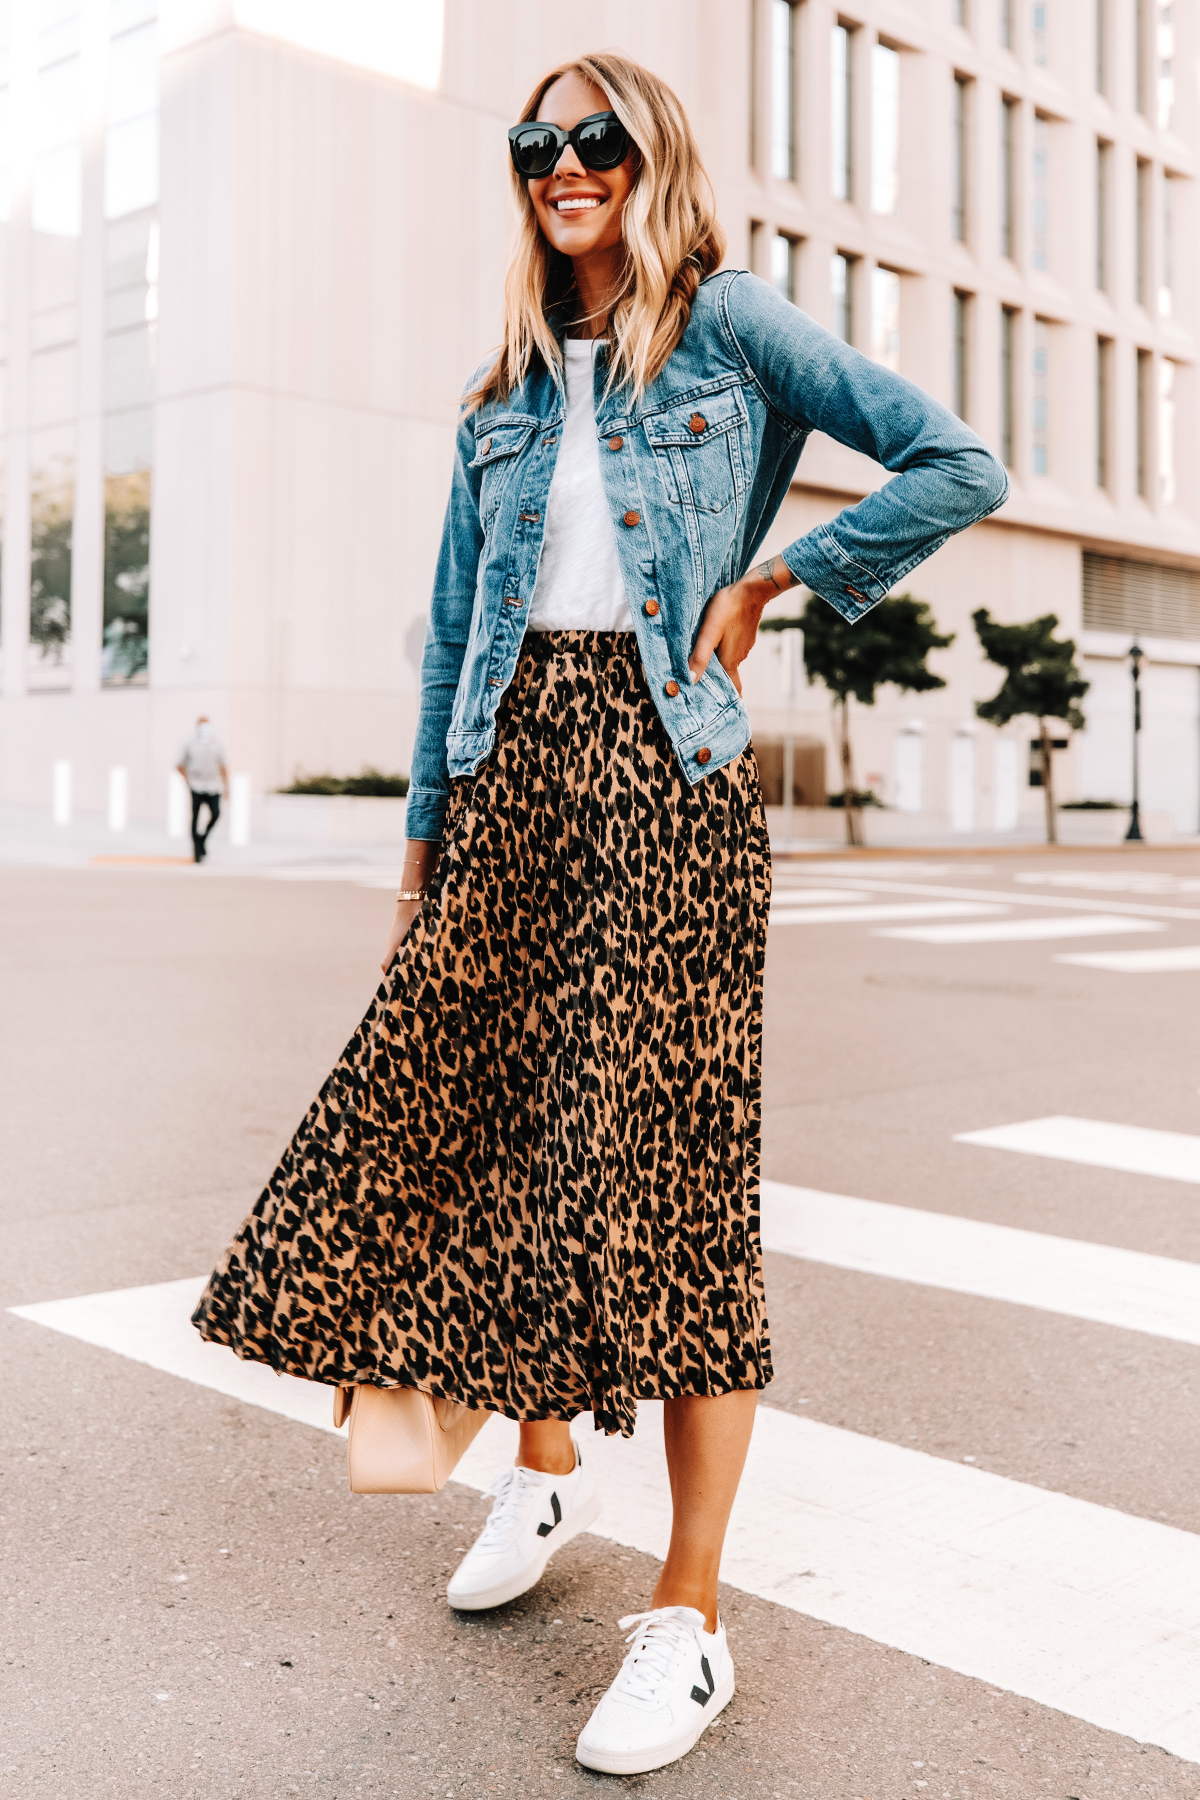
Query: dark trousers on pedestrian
column 200, row 838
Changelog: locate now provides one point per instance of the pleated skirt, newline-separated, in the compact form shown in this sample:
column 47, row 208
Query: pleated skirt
column 531, row 1181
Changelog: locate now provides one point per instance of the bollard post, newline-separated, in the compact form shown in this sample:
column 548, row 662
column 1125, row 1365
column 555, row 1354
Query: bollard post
column 62, row 792
column 118, row 798
column 239, row 811
column 179, row 805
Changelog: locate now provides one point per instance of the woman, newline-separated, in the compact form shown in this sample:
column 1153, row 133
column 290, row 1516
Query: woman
column 531, row 1183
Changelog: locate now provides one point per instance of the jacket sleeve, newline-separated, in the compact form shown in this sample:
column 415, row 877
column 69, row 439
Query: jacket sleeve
column 945, row 477
column 446, row 643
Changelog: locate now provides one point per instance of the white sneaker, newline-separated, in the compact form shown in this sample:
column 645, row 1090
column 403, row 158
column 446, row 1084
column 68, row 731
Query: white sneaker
column 672, row 1684
column 533, row 1516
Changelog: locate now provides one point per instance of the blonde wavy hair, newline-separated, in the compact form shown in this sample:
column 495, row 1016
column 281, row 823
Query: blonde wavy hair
column 672, row 240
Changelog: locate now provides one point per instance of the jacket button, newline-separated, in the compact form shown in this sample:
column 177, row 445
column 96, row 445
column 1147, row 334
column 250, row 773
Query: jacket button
column 697, row 423
column 651, row 609
column 632, row 518
column 614, row 443
column 672, row 688
column 703, row 756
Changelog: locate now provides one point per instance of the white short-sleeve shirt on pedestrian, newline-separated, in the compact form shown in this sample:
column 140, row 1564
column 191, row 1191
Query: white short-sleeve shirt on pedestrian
column 579, row 586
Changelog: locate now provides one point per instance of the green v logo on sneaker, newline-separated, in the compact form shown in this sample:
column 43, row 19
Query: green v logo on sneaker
column 544, row 1530
column 698, row 1693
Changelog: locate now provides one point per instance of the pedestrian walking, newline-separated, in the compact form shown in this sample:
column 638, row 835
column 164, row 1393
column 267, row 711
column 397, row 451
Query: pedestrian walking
column 530, row 1185
column 202, row 765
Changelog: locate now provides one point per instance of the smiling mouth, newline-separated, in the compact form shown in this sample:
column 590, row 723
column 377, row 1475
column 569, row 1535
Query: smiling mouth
column 575, row 203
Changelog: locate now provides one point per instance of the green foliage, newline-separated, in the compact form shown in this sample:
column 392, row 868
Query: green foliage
column 888, row 644
column 1041, row 679
column 370, row 784
column 126, row 575
column 858, row 797
column 50, row 573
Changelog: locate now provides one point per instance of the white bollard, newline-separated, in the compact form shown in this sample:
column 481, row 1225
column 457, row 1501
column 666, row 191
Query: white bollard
column 62, row 792
column 118, row 798
column 179, row 805
column 239, row 811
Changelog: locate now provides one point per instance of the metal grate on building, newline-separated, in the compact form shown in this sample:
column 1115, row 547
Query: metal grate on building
column 1147, row 599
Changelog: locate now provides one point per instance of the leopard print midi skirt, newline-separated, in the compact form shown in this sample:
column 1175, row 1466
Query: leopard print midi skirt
column 531, row 1181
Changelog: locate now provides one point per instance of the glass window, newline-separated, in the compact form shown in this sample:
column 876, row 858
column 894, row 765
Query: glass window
column 841, row 94
column 1006, row 25
column 1139, row 50
column 1103, row 154
column 958, row 163
column 57, row 30
column 1039, row 32
column 841, row 283
column 52, row 509
column 783, row 265
column 1166, row 286
column 131, row 143
column 1103, row 353
column 1008, row 141
column 1141, row 231
column 1100, row 25
column 959, row 322
column 127, row 479
column 783, row 90
column 1164, row 63
column 1040, row 410
column 958, row 12
column 885, row 128
column 57, row 196
column 1166, row 433
column 1040, row 193
column 1143, row 429
column 885, row 318
column 1008, row 333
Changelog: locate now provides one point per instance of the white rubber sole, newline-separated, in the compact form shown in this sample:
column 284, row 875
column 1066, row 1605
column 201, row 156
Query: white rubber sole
column 516, row 1585
column 657, row 1756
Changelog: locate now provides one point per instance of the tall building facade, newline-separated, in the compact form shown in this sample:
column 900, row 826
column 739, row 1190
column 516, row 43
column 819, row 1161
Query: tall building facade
column 252, row 247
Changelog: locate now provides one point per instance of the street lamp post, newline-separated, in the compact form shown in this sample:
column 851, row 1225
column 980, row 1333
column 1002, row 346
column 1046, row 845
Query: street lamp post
column 1134, row 834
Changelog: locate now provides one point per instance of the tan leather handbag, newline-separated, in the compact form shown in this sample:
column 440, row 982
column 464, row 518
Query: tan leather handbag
column 403, row 1441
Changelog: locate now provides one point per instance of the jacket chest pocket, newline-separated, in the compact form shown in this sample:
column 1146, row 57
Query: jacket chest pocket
column 498, row 447
column 698, row 450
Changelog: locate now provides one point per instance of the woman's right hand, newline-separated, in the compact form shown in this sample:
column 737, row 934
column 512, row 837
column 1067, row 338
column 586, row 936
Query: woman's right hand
column 406, row 911
column 420, row 860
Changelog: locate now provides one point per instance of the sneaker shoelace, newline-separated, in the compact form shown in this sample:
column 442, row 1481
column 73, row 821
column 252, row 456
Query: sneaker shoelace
column 659, row 1638
column 510, row 1493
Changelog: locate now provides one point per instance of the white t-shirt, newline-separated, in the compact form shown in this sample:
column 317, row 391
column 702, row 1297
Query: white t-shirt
column 203, row 756
column 579, row 586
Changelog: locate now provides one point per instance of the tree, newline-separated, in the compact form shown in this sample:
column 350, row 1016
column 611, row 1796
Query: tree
column 887, row 645
column 1040, row 682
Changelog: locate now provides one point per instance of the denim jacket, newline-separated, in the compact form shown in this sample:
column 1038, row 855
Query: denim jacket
column 694, row 474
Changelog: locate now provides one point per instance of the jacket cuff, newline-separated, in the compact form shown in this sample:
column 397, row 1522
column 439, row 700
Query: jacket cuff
column 425, row 814
column 817, row 561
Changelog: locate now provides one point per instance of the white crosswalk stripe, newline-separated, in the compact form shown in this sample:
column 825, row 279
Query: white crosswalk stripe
column 1172, row 959
column 1024, row 931
column 1072, row 1605
column 1133, row 1149
column 1110, row 1286
column 866, row 914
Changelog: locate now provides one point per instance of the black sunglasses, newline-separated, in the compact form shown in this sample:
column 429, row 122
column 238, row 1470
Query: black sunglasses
column 600, row 142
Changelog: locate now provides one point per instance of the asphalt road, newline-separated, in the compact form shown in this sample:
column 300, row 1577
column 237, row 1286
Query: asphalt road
column 195, row 1606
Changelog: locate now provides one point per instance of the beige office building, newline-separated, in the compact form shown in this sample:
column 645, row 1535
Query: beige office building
column 252, row 247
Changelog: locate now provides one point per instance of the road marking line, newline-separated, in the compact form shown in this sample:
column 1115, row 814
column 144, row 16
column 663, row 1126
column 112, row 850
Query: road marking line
column 1071, row 1605
column 862, row 912
column 1134, row 1149
column 1022, row 931
column 1078, row 1280
column 1170, row 960
column 798, row 896
column 869, row 884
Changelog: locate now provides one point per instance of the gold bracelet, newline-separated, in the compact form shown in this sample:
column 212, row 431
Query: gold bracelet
column 411, row 894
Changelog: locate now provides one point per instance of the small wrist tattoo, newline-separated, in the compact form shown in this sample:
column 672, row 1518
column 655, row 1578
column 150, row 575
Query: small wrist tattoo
column 766, row 572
